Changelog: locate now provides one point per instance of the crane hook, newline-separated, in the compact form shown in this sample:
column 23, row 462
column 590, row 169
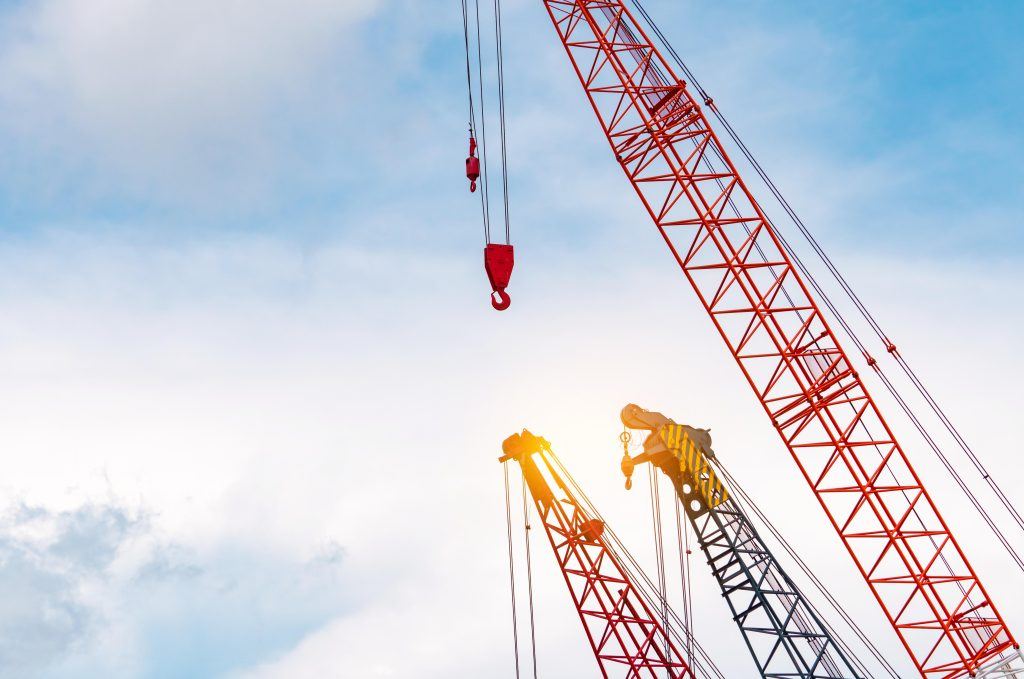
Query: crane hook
column 500, row 300
column 498, row 263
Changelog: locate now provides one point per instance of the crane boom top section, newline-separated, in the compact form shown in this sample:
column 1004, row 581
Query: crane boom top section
column 625, row 635
column 690, row 449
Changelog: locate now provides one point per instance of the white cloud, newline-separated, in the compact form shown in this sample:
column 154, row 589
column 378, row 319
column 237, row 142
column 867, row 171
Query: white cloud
column 99, row 590
column 167, row 99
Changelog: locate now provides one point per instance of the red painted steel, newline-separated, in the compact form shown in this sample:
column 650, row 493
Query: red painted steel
column 747, row 283
column 498, row 263
column 624, row 634
column 472, row 166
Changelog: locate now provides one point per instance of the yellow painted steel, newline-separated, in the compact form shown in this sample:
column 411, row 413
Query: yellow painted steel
column 692, row 460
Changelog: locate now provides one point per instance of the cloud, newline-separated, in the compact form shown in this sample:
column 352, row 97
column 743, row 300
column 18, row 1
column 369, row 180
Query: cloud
column 48, row 563
column 96, row 590
column 165, row 101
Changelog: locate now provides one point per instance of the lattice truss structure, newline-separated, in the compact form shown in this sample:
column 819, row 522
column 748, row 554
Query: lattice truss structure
column 785, row 636
column 732, row 257
column 624, row 633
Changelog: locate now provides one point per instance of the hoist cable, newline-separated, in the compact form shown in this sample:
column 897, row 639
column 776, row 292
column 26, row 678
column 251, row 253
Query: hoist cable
column 846, row 326
column 982, row 470
column 469, row 69
column 511, row 568
column 741, row 493
column 802, row 623
column 684, row 577
column 500, row 57
column 784, row 292
column 643, row 582
column 472, row 116
column 659, row 548
column 819, row 360
column 529, row 577
column 879, row 332
column 485, row 184
column 891, row 388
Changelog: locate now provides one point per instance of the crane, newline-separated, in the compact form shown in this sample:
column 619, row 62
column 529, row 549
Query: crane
column 624, row 633
column 785, row 635
column 758, row 298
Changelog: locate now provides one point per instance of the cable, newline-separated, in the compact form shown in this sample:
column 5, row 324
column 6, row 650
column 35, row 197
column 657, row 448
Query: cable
column 741, row 493
column 511, row 568
column 981, row 510
column 684, row 576
column 529, row 577
column 469, row 68
column 499, row 54
column 485, row 183
column 484, row 211
column 861, row 308
column 645, row 586
column 659, row 548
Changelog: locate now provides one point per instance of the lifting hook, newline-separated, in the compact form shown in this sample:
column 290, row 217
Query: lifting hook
column 500, row 300
column 498, row 263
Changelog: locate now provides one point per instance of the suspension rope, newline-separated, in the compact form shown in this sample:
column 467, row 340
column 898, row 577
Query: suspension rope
column 529, row 577
column 485, row 183
column 500, row 58
column 484, row 207
column 469, row 68
column 819, row 359
column 741, row 493
column 822, row 365
column 683, row 536
column 645, row 586
column 803, row 624
column 511, row 568
column 659, row 549
column 951, row 469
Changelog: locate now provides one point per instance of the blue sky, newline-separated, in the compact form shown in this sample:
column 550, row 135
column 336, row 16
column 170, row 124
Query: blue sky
column 252, row 389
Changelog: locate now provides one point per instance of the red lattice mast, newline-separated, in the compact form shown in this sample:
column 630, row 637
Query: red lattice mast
column 788, row 353
column 627, row 639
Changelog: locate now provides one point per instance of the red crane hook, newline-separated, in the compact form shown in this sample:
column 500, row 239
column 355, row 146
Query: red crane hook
column 498, row 263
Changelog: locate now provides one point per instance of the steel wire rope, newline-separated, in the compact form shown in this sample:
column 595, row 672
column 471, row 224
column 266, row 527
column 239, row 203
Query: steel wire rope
column 472, row 115
column 741, row 492
column 652, row 70
column 659, row 550
column 485, row 191
column 511, row 567
column 942, row 556
column 879, row 332
column 645, row 586
column 844, row 285
column 818, row 359
column 894, row 391
column 684, row 576
column 500, row 58
column 529, row 576
column 975, row 614
column 889, row 387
